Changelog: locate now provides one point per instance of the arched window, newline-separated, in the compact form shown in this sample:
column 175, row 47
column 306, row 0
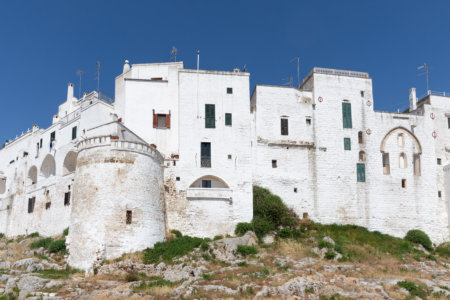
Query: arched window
column 386, row 164
column 209, row 182
column 2, row 183
column 402, row 161
column 401, row 140
column 32, row 175
column 416, row 164
column 70, row 163
column 360, row 137
column 48, row 167
column 362, row 156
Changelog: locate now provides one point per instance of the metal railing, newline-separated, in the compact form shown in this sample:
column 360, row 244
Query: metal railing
column 436, row 93
column 206, row 162
column 341, row 72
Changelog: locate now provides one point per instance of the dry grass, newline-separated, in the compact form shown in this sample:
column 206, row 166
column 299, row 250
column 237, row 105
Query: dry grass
column 290, row 248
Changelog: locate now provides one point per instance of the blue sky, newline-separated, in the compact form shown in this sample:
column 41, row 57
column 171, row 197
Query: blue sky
column 44, row 43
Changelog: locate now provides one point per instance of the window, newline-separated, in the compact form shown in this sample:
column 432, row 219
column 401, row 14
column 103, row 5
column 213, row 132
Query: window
column 439, row 194
column 402, row 161
column 74, row 132
column 40, row 143
column 178, row 178
column 47, row 205
column 228, row 120
column 386, row 164
column 229, row 156
column 347, row 144
column 448, row 122
column 295, row 190
column 284, row 127
column 274, row 163
column 67, row 199
column 229, row 90
column 404, row 183
column 210, row 116
column 52, row 136
column 360, row 137
column 205, row 155
column 31, row 202
column 347, row 114
column 401, row 140
column 129, row 216
column 416, row 164
column 206, row 184
column 161, row 120
column 439, row 161
column 308, row 121
column 37, row 150
column 361, row 172
column 362, row 93
column 362, row 156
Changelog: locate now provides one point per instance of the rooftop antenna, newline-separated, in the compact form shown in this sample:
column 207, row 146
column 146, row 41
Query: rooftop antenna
column 289, row 81
column 98, row 76
column 79, row 73
column 426, row 68
column 244, row 69
column 173, row 54
column 198, row 60
column 297, row 58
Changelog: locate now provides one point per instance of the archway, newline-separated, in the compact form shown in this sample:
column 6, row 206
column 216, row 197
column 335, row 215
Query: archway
column 209, row 181
column 32, row 175
column 48, row 167
column 70, row 163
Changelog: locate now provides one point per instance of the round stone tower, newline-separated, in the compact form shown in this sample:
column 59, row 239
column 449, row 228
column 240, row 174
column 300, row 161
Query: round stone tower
column 118, row 203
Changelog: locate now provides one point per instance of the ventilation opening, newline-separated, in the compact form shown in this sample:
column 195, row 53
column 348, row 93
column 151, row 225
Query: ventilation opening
column 439, row 161
column 67, row 199
column 274, row 163
column 47, row 205
column 404, row 183
column 295, row 190
column 439, row 194
column 129, row 216
column 178, row 178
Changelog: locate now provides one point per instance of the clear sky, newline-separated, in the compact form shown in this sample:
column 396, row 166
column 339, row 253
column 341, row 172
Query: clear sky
column 44, row 43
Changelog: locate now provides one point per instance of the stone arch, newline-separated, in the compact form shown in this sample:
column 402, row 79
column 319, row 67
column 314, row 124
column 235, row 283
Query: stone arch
column 2, row 183
column 216, row 182
column 70, row 163
column 403, row 130
column 32, row 175
column 48, row 167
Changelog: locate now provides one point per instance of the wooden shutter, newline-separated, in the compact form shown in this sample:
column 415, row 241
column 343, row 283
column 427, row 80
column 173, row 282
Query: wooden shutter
column 74, row 132
column 347, row 144
column 361, row 172
column 168, row 121
column 228, row 119
column 347, row 115
column 155, row 120
column 284, row 127
column 210, row 116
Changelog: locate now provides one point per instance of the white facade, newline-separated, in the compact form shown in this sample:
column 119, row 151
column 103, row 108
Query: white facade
column 181, row 149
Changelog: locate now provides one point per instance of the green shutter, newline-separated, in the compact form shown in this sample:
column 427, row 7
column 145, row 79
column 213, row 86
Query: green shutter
column 74, row 132
column 361, row 172
column 210, row 116
column 347, row 144
column 228, row 119
column 347, row 115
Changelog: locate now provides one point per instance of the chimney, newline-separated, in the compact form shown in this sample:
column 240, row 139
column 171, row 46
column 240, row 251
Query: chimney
column 70, row 91
column 412, row 99
column 126, row 66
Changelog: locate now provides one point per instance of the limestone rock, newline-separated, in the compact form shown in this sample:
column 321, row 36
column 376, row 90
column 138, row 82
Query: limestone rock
column 30, row 284
column 269, row 239
column 225, row 248
column 35, row 267
column 5, row 265
column 328, row 240
column 24, row 263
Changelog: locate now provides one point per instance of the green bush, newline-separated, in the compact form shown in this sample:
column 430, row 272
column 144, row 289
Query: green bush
column 131, row 277
column 242, row 228
column 177, row 233
column 57, row 246
column 218, row 237
column 324, row 244
column 443, row 250
column 284, row 233
column 33, row 235
column 419, row 237
column 2, row 235
column 171, row 249
column 330, row 255
column 415, row 290
column 66, row 232
column 262, row 226
column 41, row 243
column 246, row 250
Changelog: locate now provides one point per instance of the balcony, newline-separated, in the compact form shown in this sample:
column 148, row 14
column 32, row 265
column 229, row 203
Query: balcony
column 209, row 194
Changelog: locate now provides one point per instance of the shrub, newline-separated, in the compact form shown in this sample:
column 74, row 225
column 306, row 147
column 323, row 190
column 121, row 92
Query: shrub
column 284, row 233
column 66, row 232
column 419, row 237
column 131, row 277
column 262, row 226
column 177, row 233
column 443, row 250
column 242, row 228
column 32, row 235
column 41, row 243
column 57, row 246
column 204, row 246
column 246, row 250
column 413, row 289
column 171, row 249
column 324, row 244
column 2, row 235
column 330, row 255
column 218, row 237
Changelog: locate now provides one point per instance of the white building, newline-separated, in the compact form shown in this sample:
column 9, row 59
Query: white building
column 181, row 149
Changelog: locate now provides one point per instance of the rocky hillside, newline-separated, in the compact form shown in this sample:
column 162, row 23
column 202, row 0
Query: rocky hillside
column 276, row 256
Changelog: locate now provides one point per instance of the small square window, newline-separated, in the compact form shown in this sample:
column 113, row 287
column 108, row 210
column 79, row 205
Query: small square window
column 206, row 184
column 295, row 190
column 439, row 194
column 308, row 121
column 439, row 161
column 47, row 205
column 229, row 90
column 174, row 163
column 228, row 119
column 229, row 156
column 178, row 178
column 274, row 163
column 129, row 216
column 67, row 199
column 362, row 93
column 404, row 183
column 161, row 121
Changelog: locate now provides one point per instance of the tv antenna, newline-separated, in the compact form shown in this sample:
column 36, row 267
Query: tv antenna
column 173, row 54
column 289, row 81
column 79, row 73
column 425, row 67
column 297, row 58
column 244, row 69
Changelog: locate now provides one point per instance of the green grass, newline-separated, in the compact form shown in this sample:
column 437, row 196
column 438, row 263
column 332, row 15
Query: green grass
column 443, row 250
column 41, row 243
column 9, row 296
column 414, row 289
column 32, row 235
column 54, row 246
column 171, row 249
column 57, row 274
column 246, row 250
